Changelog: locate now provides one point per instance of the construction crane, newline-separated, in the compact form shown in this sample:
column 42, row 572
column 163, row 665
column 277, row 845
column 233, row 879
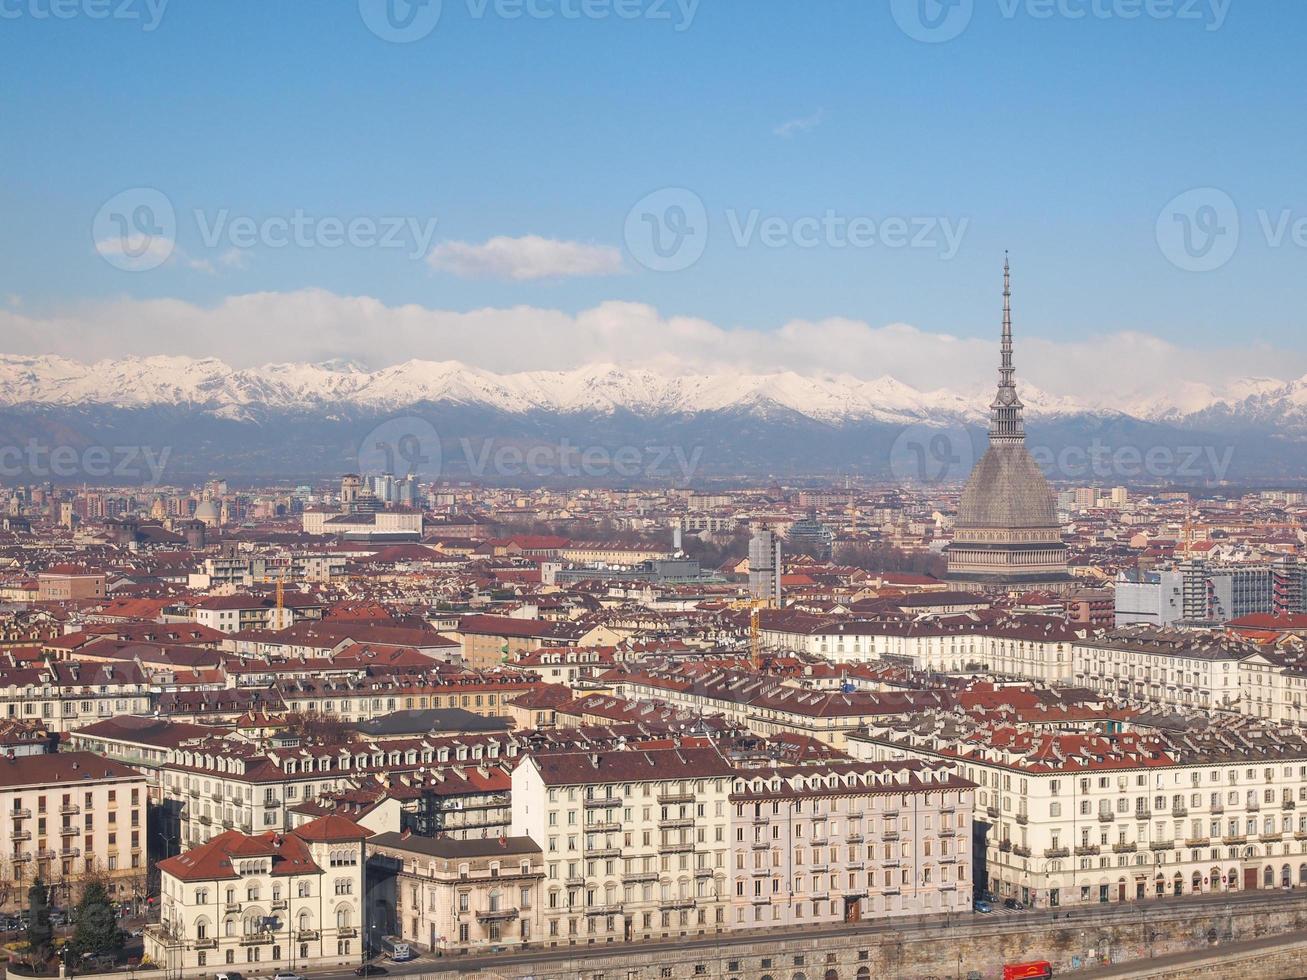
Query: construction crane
column 755, row 607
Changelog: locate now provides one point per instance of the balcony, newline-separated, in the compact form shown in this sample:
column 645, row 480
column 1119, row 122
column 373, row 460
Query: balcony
column 493, row 915
column 1106, row 816
column 638, row 877
column 232, row 907
column 600, row 853
column 1268, row 838
column 703, row 872
column 1005, row 846
column 70, row 852
column 603, row 827
column 1087, row 850
column 672, row 798
column 615, row 909
column 854, row 838
column 991, row 812
column 279, row 904
column 597, row 802
column 18, row 856
column 676, row 823
column 1021, row 851
column 69, row 830
column 1218, row 807
column 20, row 813
column 1162, row 845
column 305, row 935
column 1197, row 842
column 272, row 803
column 21, row 835
column 69, row 809
column 348, row 932
column 669, row 904
column 1253, row 806
column 1179, row 811
column 206, row 944
column 1288, row 805
column 576, row 881
column 256, row 939
column 674, row 848
column 1023, row 818
column 1057, row 852
column 1235, row 839
column 1125, row 847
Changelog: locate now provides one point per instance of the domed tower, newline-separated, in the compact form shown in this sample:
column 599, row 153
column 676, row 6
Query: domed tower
column 1007, row 534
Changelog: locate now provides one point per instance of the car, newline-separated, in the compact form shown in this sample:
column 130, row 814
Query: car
column 982, row 906
column 286, row 975
column 1012, row 903
column 230, row 975
column 370, row 970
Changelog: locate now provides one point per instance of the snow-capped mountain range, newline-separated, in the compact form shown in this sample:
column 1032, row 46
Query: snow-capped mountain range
column 213, row 388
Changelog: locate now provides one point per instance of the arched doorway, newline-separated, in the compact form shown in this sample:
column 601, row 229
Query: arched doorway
column 1196, row 886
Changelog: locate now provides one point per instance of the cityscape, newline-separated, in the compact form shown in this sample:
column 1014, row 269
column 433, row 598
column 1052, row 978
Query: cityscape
column 642, row 490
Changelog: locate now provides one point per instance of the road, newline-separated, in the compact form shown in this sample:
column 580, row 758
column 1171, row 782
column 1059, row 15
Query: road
column 998, row 919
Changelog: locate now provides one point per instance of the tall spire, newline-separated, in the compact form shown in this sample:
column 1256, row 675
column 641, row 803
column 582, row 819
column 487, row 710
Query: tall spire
column 1005, row 424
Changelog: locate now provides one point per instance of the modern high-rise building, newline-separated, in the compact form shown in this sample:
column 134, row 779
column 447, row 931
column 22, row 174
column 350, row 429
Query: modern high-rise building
column 1007, row 534
column 765, row 566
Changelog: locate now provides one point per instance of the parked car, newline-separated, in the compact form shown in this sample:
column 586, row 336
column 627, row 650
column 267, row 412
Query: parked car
column 230, row 975
column 982, row 906
column 370, row 970
column 1012, row 903
column 286, row 975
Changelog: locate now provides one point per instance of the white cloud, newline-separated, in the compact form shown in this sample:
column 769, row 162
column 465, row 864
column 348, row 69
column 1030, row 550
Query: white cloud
column 793, row 127
column 316, row 325
column 528, row 257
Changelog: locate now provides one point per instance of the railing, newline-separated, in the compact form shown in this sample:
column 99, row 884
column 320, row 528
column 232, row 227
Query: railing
column 69, row 809
column 578, row 881
column 1087, row 850
column 676, row 823
column 1288, row 805
column 20, row 813
column 21, row 835
column 602, row 852
column 676, row 797
column 1106, row 816
column 615, row 909
column 1162, row 845
column 278, row 904
column 69, row 831
column 347, row 932
column 256, row 939
column 1023, row 818
column 206, row 944
column 603, row 827
column 1005, row 846
column 232, row 907
column 1268, row 838
column 1125, row 847
column 1235, row 839
column 1179, row 811
column 637, row 877
column 1021, row 851
column 671, row 848
column 497, row 915
column 70, row 852
column 1057, row 852
column 1197, row 841
column 602, row 801
column 306, row 934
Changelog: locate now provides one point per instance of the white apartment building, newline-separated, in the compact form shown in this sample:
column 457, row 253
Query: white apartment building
column 69, row 694
column 1030, row 646
column 841, row 842
column 1075, row 818
column 635, row 842
column 1168, row 667
column 261, row 903
column 67, row 816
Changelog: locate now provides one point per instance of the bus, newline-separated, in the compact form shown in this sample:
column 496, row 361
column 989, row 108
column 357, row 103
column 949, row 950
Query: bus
column 1034, row 970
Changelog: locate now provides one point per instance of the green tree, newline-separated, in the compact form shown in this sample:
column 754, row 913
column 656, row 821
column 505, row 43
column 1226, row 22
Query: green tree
column 39, row 931
column 97, row 926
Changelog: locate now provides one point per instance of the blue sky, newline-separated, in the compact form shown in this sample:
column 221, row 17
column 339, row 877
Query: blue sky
column 1062, row 138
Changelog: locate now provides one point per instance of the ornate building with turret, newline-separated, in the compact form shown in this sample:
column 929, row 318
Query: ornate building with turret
column 1007, row 534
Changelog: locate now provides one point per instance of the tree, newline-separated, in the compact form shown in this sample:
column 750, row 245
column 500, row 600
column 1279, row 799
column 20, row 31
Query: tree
column 97, row 925
column 39, row 931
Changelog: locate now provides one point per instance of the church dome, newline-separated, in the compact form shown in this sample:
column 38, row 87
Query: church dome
column 1007, row 489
